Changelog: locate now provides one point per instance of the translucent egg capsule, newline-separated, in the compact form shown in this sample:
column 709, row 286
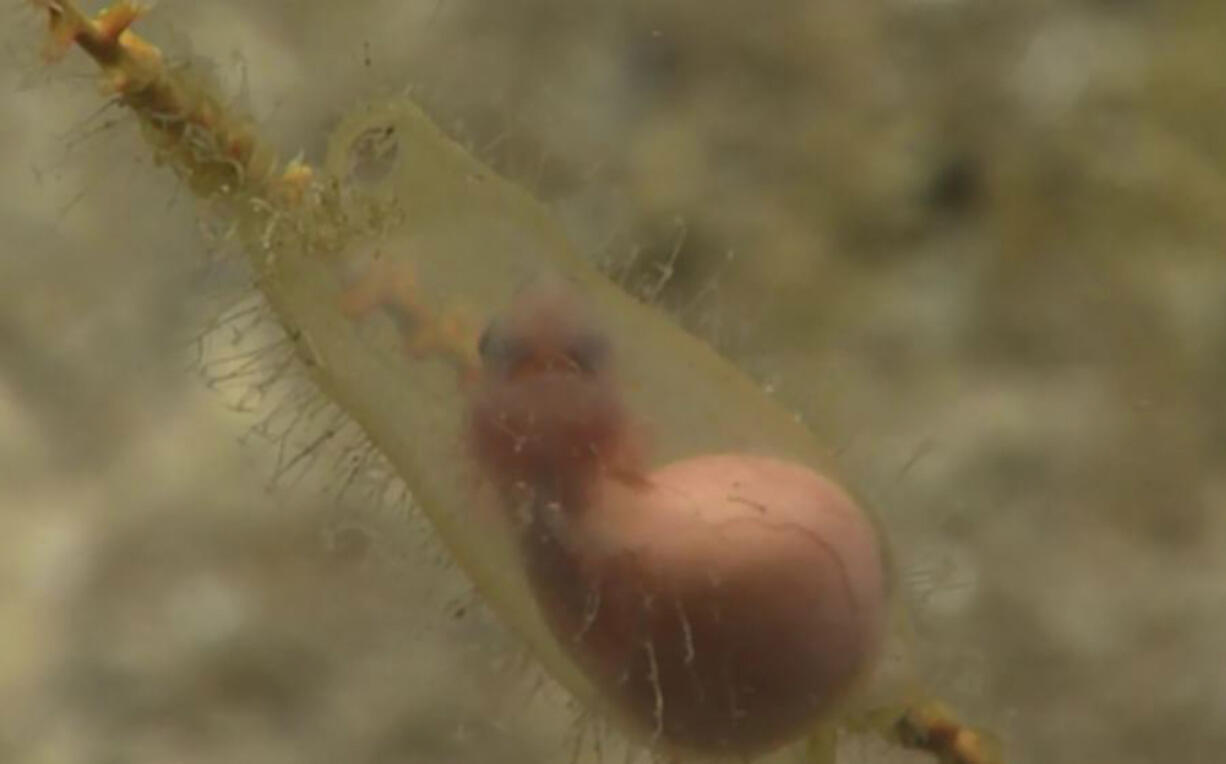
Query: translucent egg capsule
column 667, row 539
column 656, row 522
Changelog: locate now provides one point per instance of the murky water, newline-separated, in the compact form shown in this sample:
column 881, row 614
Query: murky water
column 975, row 250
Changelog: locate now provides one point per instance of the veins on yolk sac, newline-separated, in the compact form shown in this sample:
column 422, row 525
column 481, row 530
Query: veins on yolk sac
column 724, row 603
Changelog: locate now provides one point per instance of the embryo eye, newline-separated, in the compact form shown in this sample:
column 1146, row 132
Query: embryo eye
column 589, row 351
column 499, row 351
column 488, row 338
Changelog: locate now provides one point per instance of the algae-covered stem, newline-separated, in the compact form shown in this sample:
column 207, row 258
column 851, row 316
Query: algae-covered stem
column 216, row 152
column 295, row 225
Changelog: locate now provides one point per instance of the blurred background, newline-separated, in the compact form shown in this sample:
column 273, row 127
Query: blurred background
column 978, row 247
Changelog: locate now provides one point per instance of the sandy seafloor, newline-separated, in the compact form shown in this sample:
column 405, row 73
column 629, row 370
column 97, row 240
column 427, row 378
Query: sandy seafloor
column 977, row 246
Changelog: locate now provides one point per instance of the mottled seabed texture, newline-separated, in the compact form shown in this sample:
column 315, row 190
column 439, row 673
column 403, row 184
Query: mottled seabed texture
column 977, row 247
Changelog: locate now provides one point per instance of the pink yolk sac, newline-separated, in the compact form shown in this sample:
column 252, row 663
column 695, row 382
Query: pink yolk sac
column 726, row 606
column 725, row 603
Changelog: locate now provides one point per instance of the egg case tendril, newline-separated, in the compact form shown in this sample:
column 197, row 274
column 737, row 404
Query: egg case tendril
column 647, row 614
